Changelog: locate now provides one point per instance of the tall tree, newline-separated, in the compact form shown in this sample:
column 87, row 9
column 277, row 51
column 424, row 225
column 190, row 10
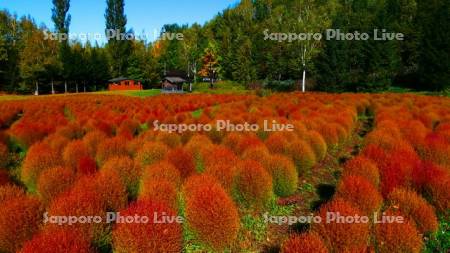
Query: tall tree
column 61, row 20
column 118, row 46
column 434, row 58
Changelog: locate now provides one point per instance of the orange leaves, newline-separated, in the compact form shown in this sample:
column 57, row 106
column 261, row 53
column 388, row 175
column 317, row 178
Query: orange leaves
column 210, row 212
column 150, row 236
column 305, row 243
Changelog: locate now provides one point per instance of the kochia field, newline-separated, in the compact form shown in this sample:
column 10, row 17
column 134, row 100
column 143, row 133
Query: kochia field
column 287, row 172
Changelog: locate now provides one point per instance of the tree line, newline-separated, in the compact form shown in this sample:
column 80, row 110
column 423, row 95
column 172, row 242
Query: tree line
column 234, row 45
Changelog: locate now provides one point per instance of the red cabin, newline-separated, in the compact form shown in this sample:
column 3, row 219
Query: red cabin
column 123, row 83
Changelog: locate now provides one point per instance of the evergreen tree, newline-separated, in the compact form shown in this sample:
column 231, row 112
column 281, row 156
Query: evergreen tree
column 118, row 46
column 434, row 58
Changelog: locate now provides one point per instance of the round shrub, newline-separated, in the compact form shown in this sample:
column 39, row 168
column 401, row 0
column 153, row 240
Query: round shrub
column 150, row 153
column 258, row 153
column 436, row 149
column 4, row 177
column 342, row 237
column 318, row 144
column 53, row 182
column 112, row 190
column 253, row 184
column 111, row 147
column 147, row 237
column 81, row 200
column 39, row 157
column 220, row 162
column 169, row 139
column 56, row 241
column 129, row 173
column 363, row 167
column 302, row 154
column 162, row 171
column 415, row 207
column 74, row 152
column 183, row 160
column 284, row 175
column 9, row 191
column 433, row 182
column 210, row 212
column 277, row 143
column 360, row 193
column 4, row 155
column 57, row 142
column 162, row 191
column 304, row 243
column 86, row 166
column 20, row 218
column 92, row 140
column 397, row 237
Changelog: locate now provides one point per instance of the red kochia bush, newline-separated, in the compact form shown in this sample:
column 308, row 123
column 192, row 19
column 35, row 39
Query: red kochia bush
column 162, row 171
column 434, row 182
column 74, row 152
column 363, row 167
column 150, row 153
column 57, row 241
column 86, row 166
column 19, row 220
column 342, row 237
column 284, row 175
column 4, row 177
column 129, row 173
column 360, row 193
column 253, row 184
column 416, row 208
column 147, row 237
column 9, row 191
column 397, row 237
column 220, row 162
column 112, row 147
column 162, row 191
column 183, row 160
column 436, row 149
column 92, row 140
column 277, row 143
column 4, row 155
column 305, row 243
column 39, row 157
column 81, row 200
column 210, row 212
column 54, row 181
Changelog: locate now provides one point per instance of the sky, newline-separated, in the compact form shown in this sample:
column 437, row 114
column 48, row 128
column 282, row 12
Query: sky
column 143, row 15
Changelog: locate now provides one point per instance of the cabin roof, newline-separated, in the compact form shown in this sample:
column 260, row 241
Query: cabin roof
column 174, row 79
column 119, row 79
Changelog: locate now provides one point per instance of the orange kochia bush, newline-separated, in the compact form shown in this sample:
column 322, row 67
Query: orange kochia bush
column 253, row 184
column 360, row 193
column 397, row 237
column 20, row 218
column 363, row 167
column 210, row 212
column 74, row 152
column 304, row 243
column 4, row 155
column 39, row 157
column 162, row 170
column 57, row 241
column 151, row 236
column 183, row 160
column 414, row 207
column 54, row 181
column 128, row 172
column 162, row 191
column 150, row 153
column 342, row 237
column 433, row 182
